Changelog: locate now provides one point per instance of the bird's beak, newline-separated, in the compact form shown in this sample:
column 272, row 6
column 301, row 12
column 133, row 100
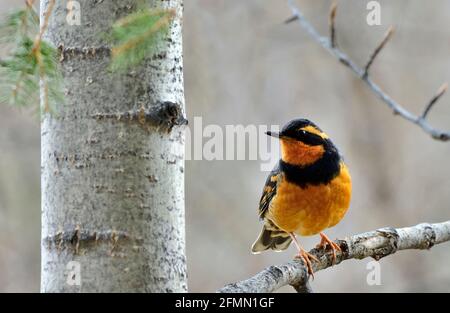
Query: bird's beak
column 273, row 134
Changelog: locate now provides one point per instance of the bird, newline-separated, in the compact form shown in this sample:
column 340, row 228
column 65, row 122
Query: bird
column 308, row 191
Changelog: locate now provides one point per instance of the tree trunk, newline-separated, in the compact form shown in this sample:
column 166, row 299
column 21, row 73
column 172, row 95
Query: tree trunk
column 113, row 161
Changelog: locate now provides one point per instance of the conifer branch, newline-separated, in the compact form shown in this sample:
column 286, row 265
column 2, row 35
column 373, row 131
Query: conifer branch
column 137, row 36
column 29, row 61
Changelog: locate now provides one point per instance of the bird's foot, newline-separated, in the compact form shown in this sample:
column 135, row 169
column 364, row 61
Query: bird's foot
column 325, row 241
column 304, row 255
column 306, row 258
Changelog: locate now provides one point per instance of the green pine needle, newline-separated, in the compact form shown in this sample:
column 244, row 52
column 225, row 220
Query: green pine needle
column 31, row 66
column 18, row 24
column 28, row 64
column 137, row 36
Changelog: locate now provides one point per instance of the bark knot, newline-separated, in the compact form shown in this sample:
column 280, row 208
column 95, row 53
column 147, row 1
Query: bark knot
column 429, row 235
column 392, row 236
column 164, row 116
column 76, row 237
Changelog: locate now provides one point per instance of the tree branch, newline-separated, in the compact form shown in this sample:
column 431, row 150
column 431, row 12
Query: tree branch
column 376, row 244
column 332, row 24
column 438, row 95
column 330, row 45
column 377, row 50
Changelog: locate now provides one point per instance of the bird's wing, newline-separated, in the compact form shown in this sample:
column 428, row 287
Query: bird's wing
column 270, row 190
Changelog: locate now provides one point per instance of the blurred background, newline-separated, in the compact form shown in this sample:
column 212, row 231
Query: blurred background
column 244, row 66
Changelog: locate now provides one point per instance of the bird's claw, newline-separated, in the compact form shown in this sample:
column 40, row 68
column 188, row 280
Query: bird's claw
column 306, row 258
column 325, row 241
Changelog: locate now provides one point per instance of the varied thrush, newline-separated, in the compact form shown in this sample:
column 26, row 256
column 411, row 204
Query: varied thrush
column 308, row 191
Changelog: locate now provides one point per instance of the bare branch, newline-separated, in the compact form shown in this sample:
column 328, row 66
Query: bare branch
column 332, row 22
column 397, row 109
column 376, row 244
column 377, row 50
column 433, row 100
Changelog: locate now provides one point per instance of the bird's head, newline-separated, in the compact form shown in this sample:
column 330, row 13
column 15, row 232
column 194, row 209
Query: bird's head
column 302, row 142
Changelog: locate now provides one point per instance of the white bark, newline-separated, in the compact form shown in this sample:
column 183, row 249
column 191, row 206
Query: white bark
column 113, row 161
column 376, row 244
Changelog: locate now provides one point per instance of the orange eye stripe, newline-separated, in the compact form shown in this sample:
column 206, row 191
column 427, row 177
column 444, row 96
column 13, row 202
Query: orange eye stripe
column 315, row 131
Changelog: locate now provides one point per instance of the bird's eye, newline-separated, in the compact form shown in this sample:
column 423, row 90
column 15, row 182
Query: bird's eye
column 304, row 132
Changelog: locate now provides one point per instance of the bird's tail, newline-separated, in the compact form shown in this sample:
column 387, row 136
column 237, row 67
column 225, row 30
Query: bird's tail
column 271, row 237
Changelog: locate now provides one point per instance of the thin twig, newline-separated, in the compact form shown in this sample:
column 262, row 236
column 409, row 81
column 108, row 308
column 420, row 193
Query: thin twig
column 397, row 109
column 24, row 21
column 47, row 14
column 332, row 22
column 377, row 50
column 291, row 19
column 433, row 100
column 37, row 52
column 376, row 244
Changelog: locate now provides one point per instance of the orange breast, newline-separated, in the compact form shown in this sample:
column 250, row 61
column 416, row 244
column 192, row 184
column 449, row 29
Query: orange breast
column 308, row 211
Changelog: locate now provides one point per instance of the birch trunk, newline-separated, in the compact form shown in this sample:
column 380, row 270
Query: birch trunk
column 113, row 161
